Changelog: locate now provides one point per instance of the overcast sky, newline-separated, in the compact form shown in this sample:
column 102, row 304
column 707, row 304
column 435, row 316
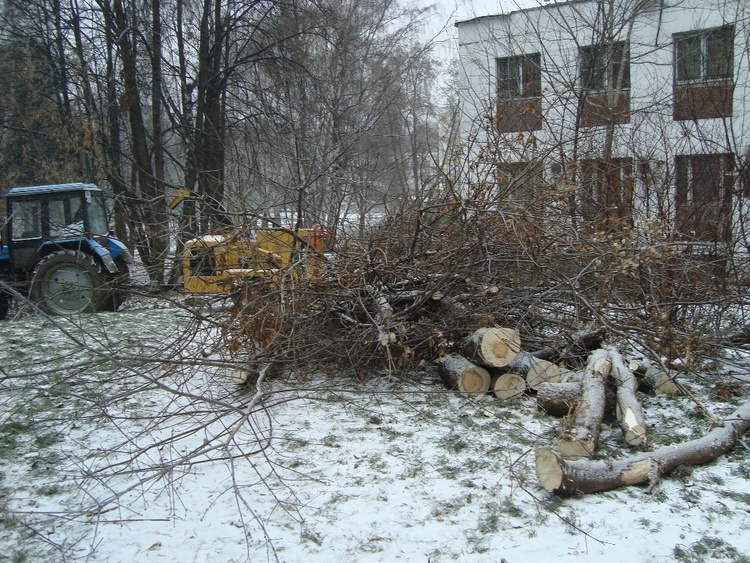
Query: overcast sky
column 458, row 10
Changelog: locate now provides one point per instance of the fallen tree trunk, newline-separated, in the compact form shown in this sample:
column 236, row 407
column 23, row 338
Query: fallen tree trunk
column 629, row 410
column 459, row 373
column 559, row 399
column 493, row 347
column 566, row 478
column 508, row 386
column 582, row 439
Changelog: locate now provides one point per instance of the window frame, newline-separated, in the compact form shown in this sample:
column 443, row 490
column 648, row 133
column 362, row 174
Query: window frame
column 526, row 73
column 601, row 63
column 699, row 44
column 703, row 185
column 608, row 187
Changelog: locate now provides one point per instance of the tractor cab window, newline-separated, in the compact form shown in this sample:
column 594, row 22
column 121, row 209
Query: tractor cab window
column 65, row 216
column 98, row 223
column 27, row 220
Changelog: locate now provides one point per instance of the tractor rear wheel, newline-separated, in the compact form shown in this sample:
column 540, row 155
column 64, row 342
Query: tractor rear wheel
column 69, row 282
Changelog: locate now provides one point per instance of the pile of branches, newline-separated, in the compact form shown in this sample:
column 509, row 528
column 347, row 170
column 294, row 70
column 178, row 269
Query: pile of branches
column 409, row 291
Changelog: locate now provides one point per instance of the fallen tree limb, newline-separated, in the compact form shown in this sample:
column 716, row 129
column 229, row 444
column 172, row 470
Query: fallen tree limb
column 562, row 399
column 629, row 410
column 565, row 478
column 535, row 370
column 582, row 439
column 508, row 386
column 654, row 380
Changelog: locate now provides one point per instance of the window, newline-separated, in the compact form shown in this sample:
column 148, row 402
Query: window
column 605, row 67
column 607, row 186
column 65, row 216
column 702, row 187
column 518, row 182
column 98, row 223
column 27, row 220
column 705, row 55
column 519, row 77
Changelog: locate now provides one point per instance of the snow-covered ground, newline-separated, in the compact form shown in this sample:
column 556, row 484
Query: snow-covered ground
column 122, row 438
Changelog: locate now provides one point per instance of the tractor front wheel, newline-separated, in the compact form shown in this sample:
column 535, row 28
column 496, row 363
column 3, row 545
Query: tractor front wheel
column 69, row 282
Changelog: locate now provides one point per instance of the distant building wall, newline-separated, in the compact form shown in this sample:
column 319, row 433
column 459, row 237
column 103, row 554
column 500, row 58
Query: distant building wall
column 664, row 89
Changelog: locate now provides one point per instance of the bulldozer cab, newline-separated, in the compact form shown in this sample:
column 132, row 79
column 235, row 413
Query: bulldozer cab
column 218, row 263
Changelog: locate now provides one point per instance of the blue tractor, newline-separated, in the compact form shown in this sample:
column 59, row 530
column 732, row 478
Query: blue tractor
column 55, row 248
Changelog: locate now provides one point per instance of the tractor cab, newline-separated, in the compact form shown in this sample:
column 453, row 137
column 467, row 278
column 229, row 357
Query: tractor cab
column 59, row 214
column 57, row 249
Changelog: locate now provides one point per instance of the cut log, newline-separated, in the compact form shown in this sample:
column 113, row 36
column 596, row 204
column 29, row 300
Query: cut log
column 559, row 399
column 582, row 439
column 493, row 347
column 562, row 399
column 566, row 478
column 629, row 410
column 508, row 386
column 654, row 380
column 660, row 382
column 534, row 370
column 459, row 373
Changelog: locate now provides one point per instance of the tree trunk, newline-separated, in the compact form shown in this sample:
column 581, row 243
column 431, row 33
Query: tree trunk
column 629, row 410
column 582, row 439
column 493, row 347
column 584, row 476
column 459, row 373
column 508, row 386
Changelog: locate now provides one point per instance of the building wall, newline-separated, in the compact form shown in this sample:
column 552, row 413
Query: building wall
column 649, row 132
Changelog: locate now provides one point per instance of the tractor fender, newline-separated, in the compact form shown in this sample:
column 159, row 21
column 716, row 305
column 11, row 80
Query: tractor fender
column 104, row 255
column 118, row 250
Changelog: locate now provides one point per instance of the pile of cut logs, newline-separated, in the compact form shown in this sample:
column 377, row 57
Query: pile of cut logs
column 494, row 362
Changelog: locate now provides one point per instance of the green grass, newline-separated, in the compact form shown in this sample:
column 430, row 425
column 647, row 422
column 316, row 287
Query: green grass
column 9, row 434
column 708, row 549
column 453, row 443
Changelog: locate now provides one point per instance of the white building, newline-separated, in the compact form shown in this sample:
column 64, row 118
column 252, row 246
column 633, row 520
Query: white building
column 639, row 105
